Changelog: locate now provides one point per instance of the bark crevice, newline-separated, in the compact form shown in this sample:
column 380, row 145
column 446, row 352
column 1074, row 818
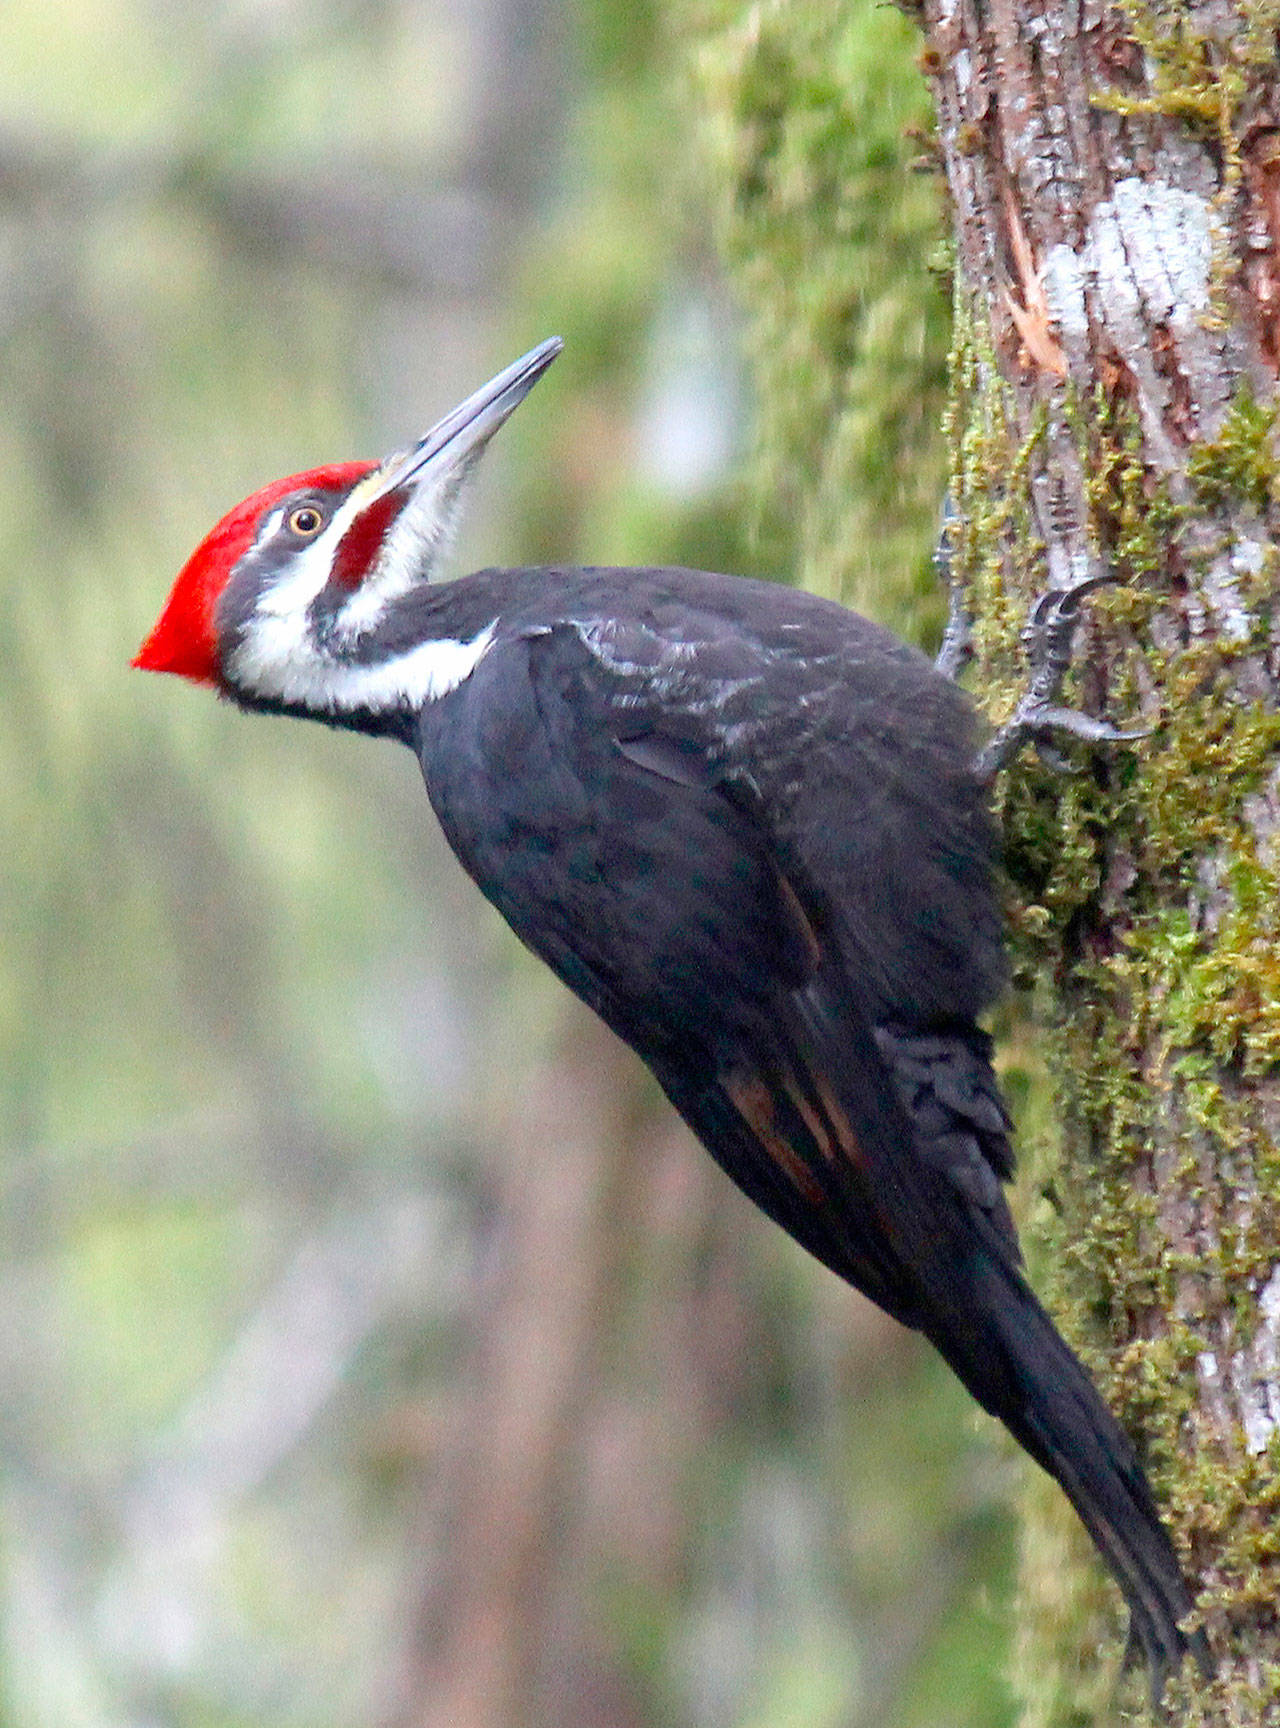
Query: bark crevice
column 1115, row 180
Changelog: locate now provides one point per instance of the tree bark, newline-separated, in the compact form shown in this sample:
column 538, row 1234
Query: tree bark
column 1115, row 178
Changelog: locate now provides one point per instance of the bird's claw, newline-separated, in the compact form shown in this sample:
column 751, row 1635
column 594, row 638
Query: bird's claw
column 1050, row 627
column 1086, row 726
column 1035, row 724
column 957, row 639
column 1047, row 637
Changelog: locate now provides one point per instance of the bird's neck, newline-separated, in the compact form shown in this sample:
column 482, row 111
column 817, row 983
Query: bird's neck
column 379, row 679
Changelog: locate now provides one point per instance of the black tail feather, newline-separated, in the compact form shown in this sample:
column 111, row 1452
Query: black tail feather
column 1033, row 1383
column 967, row 1294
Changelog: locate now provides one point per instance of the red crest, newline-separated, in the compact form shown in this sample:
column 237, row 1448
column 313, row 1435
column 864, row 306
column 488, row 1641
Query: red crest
column 184, row 638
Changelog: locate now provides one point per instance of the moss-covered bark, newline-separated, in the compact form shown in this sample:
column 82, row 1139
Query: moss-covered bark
column 1114, row 406
column 1114, row 176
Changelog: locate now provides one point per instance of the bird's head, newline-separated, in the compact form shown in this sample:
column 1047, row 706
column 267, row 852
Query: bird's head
column 275, row 602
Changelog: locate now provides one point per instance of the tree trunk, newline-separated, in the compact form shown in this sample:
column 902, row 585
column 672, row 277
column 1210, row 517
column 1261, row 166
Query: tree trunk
column 1115, row 177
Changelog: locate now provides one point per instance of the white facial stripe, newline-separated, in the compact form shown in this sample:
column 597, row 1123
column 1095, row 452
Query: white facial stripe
column 278, row 656
column 300, row 675
column 286, row 600
column 412, row 547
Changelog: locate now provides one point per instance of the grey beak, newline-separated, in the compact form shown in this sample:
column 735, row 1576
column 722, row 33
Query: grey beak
column 468, row 428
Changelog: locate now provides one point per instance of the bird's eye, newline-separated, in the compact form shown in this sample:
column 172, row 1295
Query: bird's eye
column 306, row 521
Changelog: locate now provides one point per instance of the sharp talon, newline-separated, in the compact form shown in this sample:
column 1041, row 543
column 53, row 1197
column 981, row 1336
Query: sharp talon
column 1086, row 726
column 957, row 639
column 1035, row 723
column 1047, row 636
column 1071, row 597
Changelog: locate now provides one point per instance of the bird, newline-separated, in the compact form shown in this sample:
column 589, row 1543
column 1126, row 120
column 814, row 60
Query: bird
column 744, row 825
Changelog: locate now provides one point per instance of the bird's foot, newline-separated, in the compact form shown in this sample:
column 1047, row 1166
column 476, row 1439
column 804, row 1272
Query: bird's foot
column 957, row 639
column 1039, row 717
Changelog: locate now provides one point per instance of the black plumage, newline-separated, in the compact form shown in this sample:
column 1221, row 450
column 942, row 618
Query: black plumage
column 743, row 825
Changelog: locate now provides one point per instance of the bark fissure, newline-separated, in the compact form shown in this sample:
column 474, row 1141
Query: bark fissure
column 1115, row 177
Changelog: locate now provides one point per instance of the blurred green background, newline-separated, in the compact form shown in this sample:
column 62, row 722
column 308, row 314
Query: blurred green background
column 376, row 1349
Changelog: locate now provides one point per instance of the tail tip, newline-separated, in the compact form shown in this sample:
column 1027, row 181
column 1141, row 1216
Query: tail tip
column 1166, row 1652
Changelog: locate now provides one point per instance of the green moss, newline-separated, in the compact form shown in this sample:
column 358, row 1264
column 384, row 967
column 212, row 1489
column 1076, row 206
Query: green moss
column 1189, row 78
column 1130, row 509
column 1146, row 913
column 996, row 550
column 811, row 116
column 1188, row 81
column 1196, row 75
column 1239, row 465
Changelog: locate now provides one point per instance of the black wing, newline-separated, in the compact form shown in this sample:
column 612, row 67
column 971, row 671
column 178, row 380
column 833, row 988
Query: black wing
column 628, row 831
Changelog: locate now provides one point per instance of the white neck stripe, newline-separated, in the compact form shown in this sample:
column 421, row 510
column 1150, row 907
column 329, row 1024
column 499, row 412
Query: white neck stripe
column 307, row 679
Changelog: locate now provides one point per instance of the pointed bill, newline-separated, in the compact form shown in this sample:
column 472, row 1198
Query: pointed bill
column 463, row 433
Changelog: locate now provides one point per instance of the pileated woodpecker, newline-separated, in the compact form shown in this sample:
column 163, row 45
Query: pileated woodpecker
column 744, row 825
